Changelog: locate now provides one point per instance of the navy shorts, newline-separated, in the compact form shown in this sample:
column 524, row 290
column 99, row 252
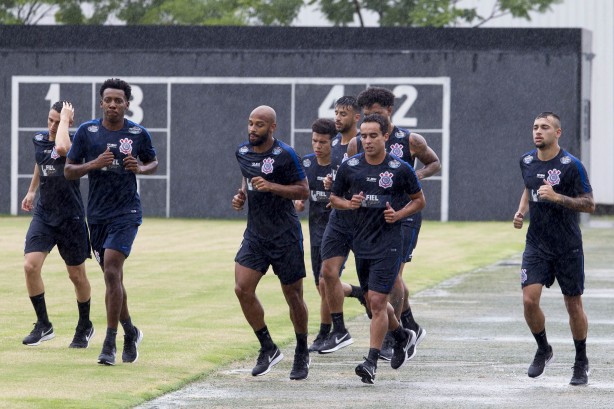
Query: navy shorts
column 116, row 235
column 336, row 242
column 71, row 237
column 377, row 274
column 316, row 263
column 410, row 239
column 288, row 261
column 538, row 268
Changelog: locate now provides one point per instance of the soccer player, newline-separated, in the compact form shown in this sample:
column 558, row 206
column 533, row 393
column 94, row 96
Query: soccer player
column 107, row 149
column 318, row 167
column 408, row 146
column 384, row 190
column 272, row 179
column 337, row 238
column 58, row 218
column 556, row 190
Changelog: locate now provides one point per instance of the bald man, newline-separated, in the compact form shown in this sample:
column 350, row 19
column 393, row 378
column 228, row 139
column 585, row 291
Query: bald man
column 272, row 179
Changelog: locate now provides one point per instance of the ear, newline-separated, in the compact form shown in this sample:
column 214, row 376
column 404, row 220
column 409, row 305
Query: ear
column 386, row 136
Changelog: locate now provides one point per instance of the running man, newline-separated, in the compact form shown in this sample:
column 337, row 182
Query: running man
column 384, row 190
column 408, row 146
column 58, row 219
column 272, row 179
column 318, row 167
column 556, row 190
column 107, row 150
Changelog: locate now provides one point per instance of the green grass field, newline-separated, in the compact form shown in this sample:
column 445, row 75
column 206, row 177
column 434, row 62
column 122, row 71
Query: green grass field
column 180, row 284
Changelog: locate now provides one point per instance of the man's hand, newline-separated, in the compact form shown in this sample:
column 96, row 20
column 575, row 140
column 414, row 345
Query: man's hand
column 356, row 201
column 328, row 182
column 238, row 200
column 390, row 215
column 104, row 159
column 28, row 202
column 261, row 184
column 547, row 193
column 131, row 164
column 67, row 113
column 299, row 205
column 518, row 219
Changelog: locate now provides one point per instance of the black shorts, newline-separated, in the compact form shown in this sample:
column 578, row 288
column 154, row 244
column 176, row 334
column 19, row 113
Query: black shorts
column 378, row 274
column 410, row 240
column 116, row 235
column 288, row 261
column 335, row 242
column 538, row 268
column 71, row 237
column 316, row 264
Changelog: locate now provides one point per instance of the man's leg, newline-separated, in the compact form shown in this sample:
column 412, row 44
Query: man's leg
column 43, row 330
column 83, row 291
column 339, row 337
column 578, row 322
column 534, row 316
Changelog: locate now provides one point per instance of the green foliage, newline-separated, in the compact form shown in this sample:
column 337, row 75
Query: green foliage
column 391, row 13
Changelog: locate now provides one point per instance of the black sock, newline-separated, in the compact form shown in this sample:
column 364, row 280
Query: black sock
column 356, row 292
column 84, row 311
column 338, row 324
column 127, row 326
column 111, row 335
column 301, row 343
column 266, row 342
column 580, row 350
column 407, row 320
column 399, row 334
column 325, row 328
column 373, row 356
column 542, row 340
column 40, row 308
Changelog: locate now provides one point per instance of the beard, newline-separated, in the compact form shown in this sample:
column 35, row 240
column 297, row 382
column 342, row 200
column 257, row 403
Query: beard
column 259, row 140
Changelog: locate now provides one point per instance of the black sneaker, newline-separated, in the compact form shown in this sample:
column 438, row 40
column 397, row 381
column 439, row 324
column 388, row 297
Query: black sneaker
column 131, row 346
column 336, row 341
column 580, row 374
column 83, row 334
column 542, row 358
column 420, row 334
column 366, row 371
column 266, row 360
column 107, row 356
column 41, row 332
column 300, row 368
column 385, row 354
column 318, row 343
column 402, row 350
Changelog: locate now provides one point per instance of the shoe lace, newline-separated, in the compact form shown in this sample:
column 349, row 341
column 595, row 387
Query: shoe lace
column 263, row 357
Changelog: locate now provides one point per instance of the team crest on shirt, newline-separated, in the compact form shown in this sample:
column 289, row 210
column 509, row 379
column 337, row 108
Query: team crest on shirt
column 385, row 179
column 135, row 130
column 54, row 154
column 125, row 146
column 397, row 150
column 243, row 150
column 92, row 128
column 335, row 142
column 527, row 159
column 565, row 160
column 277, row 150
column 267, row 166
column 306, row 163
column 353, row 162
column 553, row 177
column 523, row 275
column 394, row 164
column 38, row 137
column 399, row 134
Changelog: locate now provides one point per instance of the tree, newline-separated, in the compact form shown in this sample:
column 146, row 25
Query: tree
column 424, row 13
column 391, row 13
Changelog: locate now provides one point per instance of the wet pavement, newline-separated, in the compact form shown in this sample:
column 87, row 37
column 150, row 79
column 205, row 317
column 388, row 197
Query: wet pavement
column 475, row 354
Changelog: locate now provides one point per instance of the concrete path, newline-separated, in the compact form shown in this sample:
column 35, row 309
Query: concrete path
column 475, row 355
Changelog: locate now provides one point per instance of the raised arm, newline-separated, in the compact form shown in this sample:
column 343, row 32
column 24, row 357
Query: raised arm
column 62, row 138
column 426, row 155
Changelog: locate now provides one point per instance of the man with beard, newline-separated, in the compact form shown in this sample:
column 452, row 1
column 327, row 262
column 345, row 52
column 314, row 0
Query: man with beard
column 556, row 190
column 272, row 179
column 107, row 150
